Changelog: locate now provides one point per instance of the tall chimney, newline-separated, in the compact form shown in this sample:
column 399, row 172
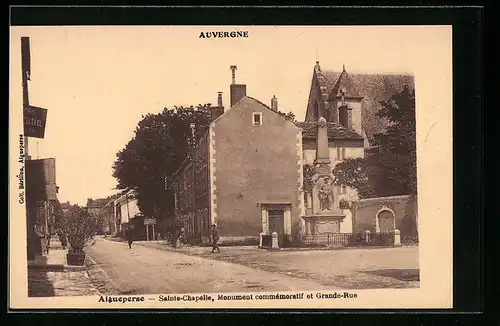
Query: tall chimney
column 238, row 91
column 274, row 104
column 217, row 111
column 233, row 72
column 219, row 99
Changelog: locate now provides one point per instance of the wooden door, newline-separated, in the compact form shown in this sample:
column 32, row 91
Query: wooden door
column 276, row 221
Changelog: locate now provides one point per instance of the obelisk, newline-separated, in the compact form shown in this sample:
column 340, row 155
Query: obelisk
column 322, row 161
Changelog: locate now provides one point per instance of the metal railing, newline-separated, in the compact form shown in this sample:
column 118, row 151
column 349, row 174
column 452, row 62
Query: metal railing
column 349, row 239
column 409, row 240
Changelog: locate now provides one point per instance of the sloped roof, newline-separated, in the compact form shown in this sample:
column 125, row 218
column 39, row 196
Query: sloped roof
column 335, row 131
column 344, row 81
column 374, row 88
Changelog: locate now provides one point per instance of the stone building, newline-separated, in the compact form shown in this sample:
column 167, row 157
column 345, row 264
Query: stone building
column 246, row 170
column 94, row 206
column 348, row 103
column 244, row 173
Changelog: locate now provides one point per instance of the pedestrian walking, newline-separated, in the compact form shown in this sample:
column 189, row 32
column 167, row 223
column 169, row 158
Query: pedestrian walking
column 47, row 242
column 63, row 238
column 130, row 237
column 215, row 238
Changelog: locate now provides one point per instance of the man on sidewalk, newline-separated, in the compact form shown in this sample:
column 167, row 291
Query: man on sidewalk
column 215, row 238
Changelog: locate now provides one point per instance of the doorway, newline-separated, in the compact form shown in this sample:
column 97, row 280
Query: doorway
column 276, row 221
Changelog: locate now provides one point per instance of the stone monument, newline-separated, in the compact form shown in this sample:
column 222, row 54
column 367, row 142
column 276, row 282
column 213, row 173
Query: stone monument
column 323, row 214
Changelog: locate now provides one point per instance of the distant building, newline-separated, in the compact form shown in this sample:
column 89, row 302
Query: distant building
column 94, row 206
column 127, row 211
column 65, row 207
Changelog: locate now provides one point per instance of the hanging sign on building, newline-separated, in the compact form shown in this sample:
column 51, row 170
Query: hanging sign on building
column 41, row 179
column 35, row 119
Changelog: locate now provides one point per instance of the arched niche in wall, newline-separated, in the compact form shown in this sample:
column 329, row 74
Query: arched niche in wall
column 385, row 220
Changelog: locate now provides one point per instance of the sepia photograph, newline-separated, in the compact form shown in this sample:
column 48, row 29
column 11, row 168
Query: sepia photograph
column 230, row 166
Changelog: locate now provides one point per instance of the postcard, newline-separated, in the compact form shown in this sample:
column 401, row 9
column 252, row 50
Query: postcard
column 213, row 167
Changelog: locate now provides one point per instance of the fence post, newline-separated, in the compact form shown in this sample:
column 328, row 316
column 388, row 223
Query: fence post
column 274, row 243
column 260, row 239
column 367, row 236
column 397, row 238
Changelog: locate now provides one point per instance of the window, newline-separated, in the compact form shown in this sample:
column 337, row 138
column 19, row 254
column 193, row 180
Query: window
column 257, row 118
column 341, row 153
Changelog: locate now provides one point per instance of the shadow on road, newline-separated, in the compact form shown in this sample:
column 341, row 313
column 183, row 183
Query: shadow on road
column 39, row 283
column 404, row 275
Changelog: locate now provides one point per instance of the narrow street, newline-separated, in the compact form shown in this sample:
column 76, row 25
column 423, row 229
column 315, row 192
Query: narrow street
column 143, row 270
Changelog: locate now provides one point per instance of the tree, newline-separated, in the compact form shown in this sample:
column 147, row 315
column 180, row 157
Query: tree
column 159, row 146
column 396, row 146
column 389, row 166
column 355, row 173
column 289, row 116
column 80, row 227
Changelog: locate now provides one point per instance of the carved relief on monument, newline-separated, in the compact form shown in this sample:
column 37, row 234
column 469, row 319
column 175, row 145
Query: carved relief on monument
column 325, row 193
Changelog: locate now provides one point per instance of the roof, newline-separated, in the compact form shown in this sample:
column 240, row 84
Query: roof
column 97, row 202
column 374, row 88
column 344, row 81
column 335, row 131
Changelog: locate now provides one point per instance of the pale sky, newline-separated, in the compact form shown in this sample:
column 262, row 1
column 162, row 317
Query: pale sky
column 96, row 82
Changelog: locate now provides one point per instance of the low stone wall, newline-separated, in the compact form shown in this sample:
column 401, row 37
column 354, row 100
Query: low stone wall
column 403, row 208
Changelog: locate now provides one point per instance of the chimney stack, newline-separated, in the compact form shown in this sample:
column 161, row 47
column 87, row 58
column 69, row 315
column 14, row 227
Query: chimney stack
column 233, row 72
column 238, row 91
column 274, row 104
column 219, row 99
column 217, row 111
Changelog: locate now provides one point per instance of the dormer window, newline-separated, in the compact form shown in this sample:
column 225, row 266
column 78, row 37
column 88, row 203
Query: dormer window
column 257, row 118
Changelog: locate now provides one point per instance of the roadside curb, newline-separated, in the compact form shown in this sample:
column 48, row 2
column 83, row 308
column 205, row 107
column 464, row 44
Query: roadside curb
column 57, row 268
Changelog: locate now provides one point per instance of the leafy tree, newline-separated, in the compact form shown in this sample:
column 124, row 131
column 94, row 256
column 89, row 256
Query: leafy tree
column 355, row 173
column 80, row 227
column 396, row 146
column 159, row 146
column 289, row 116
column 389, row 166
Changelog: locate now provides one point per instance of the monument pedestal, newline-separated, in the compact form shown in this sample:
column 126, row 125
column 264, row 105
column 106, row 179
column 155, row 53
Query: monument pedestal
column 324, row 223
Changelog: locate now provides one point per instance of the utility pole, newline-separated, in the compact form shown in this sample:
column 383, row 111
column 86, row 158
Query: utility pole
column 26, row 71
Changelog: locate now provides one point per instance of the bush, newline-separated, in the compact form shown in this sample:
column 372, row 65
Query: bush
column 80, row 227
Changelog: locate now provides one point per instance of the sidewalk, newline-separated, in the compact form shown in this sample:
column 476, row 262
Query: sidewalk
column 49, row 275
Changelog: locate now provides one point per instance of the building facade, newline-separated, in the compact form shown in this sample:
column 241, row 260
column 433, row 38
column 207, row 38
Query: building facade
column 245, row 171
column 126, row 210
column 243, row 174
